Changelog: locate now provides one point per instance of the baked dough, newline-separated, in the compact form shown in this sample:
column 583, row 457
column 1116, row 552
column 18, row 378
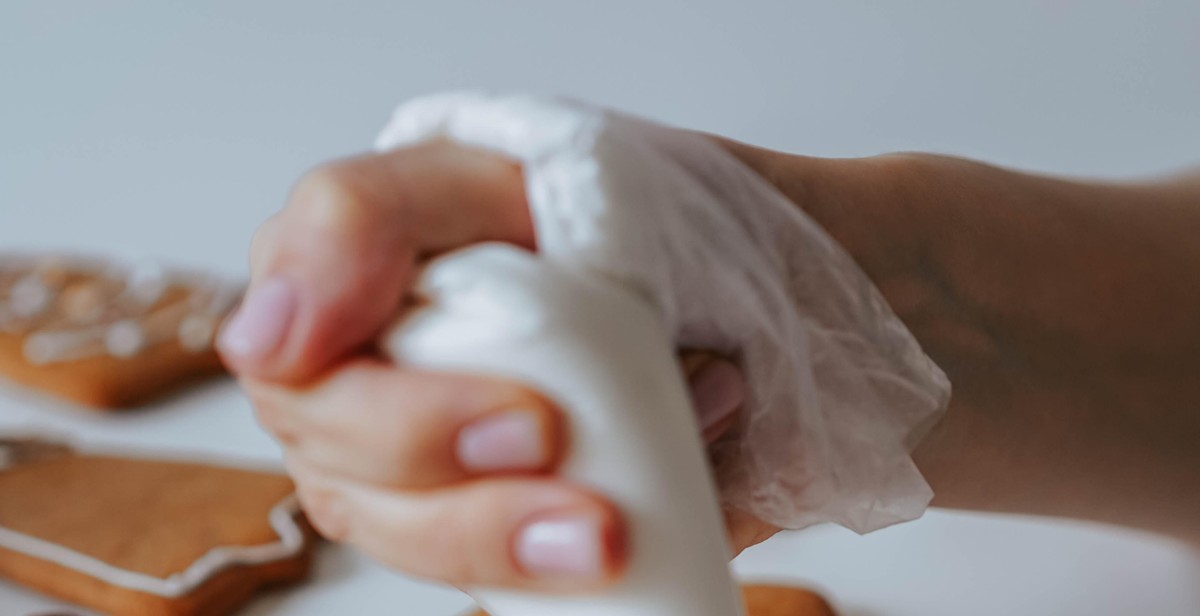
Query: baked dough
column 104, row 335
column 134, row 536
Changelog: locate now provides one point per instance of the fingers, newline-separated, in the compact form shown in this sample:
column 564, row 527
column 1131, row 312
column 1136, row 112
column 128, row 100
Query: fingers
column 532, row 534
column 442, row 476
column 439, row 475
column 413, row 429
column 330, row 270
column 718, row 392
column 745, row 530
column 378, row 424
column 451, row 476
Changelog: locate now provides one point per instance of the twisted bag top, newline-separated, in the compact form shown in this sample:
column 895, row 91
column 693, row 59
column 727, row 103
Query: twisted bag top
column 839, row 390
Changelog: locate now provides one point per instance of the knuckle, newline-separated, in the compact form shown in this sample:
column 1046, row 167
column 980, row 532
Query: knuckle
column 332, row 198
column 276, row 417
column 264, row 242
column 276, row 420
column 402, row 442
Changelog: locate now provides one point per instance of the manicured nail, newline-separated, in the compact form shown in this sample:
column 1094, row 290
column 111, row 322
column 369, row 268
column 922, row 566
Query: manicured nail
column 511, row 440
column 718, row 389
column 262, row 322
column 562, row 546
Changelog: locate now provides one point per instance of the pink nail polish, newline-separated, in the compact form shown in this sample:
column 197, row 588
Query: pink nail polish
column 717, row 389
column 262, row 322
column 561, row 546
column 506, row 441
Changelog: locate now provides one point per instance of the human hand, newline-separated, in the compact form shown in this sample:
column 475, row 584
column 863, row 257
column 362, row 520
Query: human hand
column 443, row 476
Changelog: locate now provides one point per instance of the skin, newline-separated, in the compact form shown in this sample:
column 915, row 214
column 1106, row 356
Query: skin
column 1062, row 310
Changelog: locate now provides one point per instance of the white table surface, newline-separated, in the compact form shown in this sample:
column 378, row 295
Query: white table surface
column 172, row 130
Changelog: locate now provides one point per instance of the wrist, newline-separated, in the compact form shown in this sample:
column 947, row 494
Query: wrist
column 1035, row 294
column 873, row 208
column 894, row 214
column 855, row 200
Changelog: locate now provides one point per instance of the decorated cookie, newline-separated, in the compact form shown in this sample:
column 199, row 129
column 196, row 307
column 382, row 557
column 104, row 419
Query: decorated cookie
column 135, row 536
column 107, row 335
column 771, row 600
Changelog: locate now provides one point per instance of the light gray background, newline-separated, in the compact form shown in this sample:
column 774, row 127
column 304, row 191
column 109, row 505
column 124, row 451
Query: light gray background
column 172, row 129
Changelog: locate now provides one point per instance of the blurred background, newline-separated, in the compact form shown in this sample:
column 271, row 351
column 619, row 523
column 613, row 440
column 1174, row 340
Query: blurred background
column 172, row 129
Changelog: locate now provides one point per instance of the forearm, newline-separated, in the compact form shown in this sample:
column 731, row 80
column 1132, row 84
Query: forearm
column 1065, row 314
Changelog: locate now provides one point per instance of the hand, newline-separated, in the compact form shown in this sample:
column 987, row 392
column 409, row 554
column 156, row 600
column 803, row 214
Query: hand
column 443, row 476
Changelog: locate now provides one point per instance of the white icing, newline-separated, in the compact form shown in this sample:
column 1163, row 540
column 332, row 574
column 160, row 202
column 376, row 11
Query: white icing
column 29, row 297
column 282, row 519
column 125, row 339
column 603, row 355
column 117, row 312
column 196, row 332
column 146, row 282
column 47, row 347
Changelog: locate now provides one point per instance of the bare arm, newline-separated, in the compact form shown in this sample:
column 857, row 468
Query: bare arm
column 1066, row 313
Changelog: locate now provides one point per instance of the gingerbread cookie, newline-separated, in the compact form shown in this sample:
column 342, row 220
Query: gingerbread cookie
column 770, row 600
column 106, row 335
column 141, row 537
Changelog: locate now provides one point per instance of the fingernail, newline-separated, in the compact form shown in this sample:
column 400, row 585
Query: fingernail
column 511, row 440
column 718, row 389
column 562, row 546
column 262, row 322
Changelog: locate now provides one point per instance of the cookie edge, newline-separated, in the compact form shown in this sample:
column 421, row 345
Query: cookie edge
column 282, row 518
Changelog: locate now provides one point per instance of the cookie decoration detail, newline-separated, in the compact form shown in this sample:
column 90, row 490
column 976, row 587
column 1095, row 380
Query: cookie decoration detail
column 108, row 335
column 136, row 536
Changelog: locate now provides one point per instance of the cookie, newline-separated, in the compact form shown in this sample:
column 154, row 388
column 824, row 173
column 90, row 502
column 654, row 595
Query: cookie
column 135, row 536
column 769, row 600
column 106, row 335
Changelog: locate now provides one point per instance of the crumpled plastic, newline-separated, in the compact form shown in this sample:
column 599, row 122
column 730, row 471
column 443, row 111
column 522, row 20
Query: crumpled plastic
column 839, row 391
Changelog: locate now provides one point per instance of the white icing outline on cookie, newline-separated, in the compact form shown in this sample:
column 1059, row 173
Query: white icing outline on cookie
column 282, row 518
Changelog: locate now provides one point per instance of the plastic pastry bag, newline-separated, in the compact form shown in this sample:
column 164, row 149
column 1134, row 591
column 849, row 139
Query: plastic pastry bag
column 839, row 390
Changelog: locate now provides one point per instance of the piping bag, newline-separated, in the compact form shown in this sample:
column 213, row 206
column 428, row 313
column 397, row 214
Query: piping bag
column 603, row 355
column 652, row 239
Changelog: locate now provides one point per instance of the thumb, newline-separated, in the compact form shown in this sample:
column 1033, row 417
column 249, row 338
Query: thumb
column 330, row 270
